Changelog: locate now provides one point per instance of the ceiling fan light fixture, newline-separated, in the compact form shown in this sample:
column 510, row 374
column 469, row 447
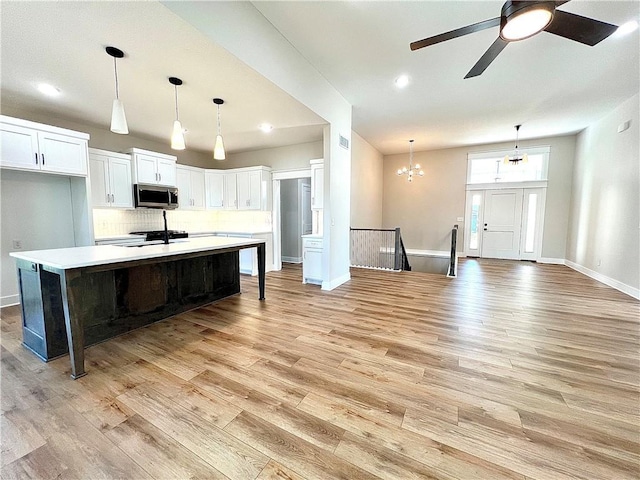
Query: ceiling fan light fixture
column 522, row 20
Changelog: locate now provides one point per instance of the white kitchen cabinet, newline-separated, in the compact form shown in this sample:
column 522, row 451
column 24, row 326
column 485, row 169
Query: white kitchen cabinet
column 190, row 182
column 110, row 175
column 317, row 184
column 249, row 257
column 249, row 186
column 230, row 192
column 34, row 146
column 312, row 259
column 214, row 190
column 153, row 168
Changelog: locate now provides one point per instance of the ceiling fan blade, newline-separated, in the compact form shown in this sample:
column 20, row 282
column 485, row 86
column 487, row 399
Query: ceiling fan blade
column 580, row 29
column 459, row 32
column 488, row 57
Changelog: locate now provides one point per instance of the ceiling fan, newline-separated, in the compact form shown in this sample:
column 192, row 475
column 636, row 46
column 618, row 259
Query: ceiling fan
column 523, row 19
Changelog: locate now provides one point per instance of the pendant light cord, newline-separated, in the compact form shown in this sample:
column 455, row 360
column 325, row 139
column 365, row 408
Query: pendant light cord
column 218, row 119
column 175, row 87
column 115, row 69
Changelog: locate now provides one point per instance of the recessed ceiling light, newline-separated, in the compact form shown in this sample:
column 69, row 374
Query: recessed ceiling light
column 402, row 81
column 265, row 127
column 49, row 90
column 626, row 28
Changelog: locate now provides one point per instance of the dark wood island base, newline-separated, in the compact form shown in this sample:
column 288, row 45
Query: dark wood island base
column 66, row 309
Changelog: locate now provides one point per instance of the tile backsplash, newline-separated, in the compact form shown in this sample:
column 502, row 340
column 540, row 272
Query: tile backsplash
column 108, row 221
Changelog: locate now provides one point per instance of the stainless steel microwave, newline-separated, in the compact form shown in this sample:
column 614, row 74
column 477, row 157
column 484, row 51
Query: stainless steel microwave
column 155, row 196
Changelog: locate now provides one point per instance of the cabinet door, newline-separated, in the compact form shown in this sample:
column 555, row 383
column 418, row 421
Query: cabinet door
column 63, row 154
column 255, row 190
column 99, row 175
column 244, row 190
column 317, row 187
column 312, row 264
column 145, row 169
column 166, row 172
column 19, row 147
column 183, row 181
column 120, row 183
column 215, row 190
column 197, row 190
column 230, row 191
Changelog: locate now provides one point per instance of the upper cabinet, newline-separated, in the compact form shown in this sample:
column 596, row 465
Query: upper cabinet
column 110, row 175
column 34, row 146
column 239, row 189
column 153, row 168
column 214, row 189
column 191, row 188
column 317, row 184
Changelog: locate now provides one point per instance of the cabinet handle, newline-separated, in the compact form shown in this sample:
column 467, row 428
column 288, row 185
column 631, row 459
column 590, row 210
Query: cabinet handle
column 43, row 158
column 36, row 158
column 108, row 198
column 160, row 176
column 113, row 198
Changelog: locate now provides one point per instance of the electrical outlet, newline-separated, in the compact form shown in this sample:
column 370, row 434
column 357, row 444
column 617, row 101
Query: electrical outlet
column 17, row 244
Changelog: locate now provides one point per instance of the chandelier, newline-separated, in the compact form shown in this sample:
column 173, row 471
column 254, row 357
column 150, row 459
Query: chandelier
column 412, row 170
column 517, row 156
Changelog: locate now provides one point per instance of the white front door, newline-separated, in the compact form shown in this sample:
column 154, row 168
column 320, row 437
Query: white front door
column 502, row 223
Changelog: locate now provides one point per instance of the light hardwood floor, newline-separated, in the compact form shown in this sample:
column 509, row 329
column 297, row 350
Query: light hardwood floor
column 510, row 371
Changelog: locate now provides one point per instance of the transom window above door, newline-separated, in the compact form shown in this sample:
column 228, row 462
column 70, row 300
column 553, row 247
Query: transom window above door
column 490, row 167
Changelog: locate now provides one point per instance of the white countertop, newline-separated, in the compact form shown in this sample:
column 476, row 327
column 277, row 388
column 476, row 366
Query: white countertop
column 120, row 237
column 256, row 231
column 77, row 257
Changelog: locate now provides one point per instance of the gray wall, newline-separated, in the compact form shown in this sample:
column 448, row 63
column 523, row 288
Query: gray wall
column 604, row 224
column 427, row 208
column 290, row 218
column 366, row 184
column 291, row 157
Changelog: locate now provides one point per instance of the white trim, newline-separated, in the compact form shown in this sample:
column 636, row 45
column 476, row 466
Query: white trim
column 292, row 259
column 503, row 185
column 428, row 253
column 336, row 282
column 622, row 287
column 501, row 153
column 291, row 174
column 9, row 300
column 551, row 260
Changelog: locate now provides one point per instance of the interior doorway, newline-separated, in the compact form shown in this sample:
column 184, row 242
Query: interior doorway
column 290, row 216
column 505, row 223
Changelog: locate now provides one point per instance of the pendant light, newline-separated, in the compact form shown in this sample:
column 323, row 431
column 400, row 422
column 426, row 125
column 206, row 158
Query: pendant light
column 118, row 118
column 218, row 149
column 517, row 156
column 412, row 170
column 177, row 136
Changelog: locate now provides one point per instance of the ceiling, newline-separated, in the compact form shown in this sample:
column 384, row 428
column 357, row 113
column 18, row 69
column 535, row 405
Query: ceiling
column 550, row 85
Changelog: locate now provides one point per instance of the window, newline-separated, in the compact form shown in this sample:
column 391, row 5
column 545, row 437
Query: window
column 475, row 210
column 489, row 167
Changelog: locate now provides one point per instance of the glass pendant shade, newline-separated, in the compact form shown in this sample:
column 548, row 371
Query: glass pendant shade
column 177, row 136
column 118, row 118
column 218, row 149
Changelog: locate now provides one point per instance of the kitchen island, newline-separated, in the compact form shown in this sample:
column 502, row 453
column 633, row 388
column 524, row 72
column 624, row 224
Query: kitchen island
column 75, row 297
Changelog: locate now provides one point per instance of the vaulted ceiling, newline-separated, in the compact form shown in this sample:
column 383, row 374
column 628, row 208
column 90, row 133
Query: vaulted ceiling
column 550, row 85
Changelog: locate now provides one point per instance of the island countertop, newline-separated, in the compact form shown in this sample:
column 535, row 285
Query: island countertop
column 78, row 257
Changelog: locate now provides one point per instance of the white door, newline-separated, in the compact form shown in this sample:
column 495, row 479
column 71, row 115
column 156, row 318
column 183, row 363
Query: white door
column 255, row 190
column 197, row 190
column 146, row 169
column 230, row 191
column 100, row 192
column 166, row 172
column 215, row 190
column 183, row 181
column 502, row 224
column 19, row 147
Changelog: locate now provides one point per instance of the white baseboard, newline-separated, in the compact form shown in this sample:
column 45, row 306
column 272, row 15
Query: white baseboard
column 428, row 253
column 623, row 287
column 9, row 300
column 292, row 259
column 552, row 261
column 336, row 282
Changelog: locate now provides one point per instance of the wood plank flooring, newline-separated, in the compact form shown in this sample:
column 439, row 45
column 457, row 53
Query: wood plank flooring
column 511, row 371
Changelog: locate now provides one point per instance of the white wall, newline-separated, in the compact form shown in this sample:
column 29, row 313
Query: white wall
column 36, row 209
column 604, row 235
column 366, row 184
